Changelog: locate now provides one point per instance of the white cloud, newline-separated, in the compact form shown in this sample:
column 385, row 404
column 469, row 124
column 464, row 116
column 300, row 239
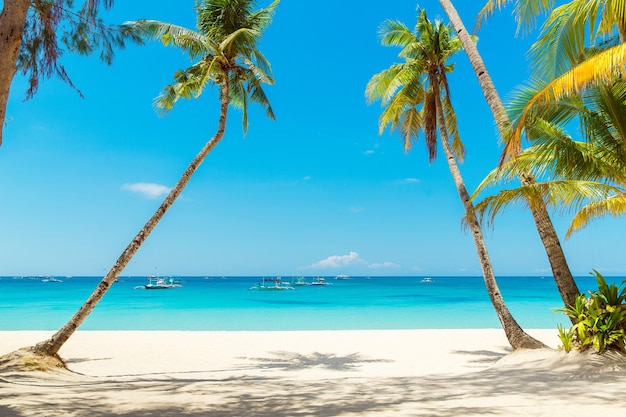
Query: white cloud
column 409, row 181
column 148, row 190
column 356, row 209
column 353, row 258
column 369, row 152
column 339, row 261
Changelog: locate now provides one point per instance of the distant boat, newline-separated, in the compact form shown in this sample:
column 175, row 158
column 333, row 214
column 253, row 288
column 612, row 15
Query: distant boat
column 427, row 279
column 300, row 281
column 318, row 282
column 157, row 283
column 342, row 277
column 272, row 284
column 51, row 279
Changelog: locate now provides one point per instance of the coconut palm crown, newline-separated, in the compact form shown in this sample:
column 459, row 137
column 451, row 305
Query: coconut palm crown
column 401, row 88
column 223, row 50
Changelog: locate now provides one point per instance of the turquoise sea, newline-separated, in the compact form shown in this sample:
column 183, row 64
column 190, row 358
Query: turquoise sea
column 228, row 303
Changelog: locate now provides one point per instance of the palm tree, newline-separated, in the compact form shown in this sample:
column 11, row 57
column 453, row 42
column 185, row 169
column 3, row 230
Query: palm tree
column 34, row 34
column 416, row 98
column 587, row 175
column 560, row 269
column 225, row 47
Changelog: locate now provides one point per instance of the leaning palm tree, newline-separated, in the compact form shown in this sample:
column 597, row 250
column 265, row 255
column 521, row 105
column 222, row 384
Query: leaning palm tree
column 224, row 47
column 416, row 98
column 547, row 233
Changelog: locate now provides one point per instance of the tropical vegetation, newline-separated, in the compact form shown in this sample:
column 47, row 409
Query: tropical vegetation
column 415, row 95
column 35, row 34
column 582, row 77
column 586, row 176
column 599, row 319
column 224, row 53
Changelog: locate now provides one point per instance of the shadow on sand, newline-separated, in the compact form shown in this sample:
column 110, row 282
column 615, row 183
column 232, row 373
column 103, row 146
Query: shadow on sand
column 489, row 392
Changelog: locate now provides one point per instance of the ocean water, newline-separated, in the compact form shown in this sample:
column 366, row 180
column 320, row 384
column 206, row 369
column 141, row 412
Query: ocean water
column 228, row 303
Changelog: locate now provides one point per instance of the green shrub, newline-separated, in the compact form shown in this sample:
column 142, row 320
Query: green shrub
column 599, row 319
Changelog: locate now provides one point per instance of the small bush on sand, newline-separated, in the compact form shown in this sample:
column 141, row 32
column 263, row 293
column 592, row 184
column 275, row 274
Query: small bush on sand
column 599, row 319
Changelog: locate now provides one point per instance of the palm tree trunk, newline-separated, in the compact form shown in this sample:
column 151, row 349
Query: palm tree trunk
column 516, row 336
column 12, row 21
column 51, row 346
column 560, row 269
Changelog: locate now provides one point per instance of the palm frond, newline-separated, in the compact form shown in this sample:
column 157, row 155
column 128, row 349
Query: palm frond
column 570, row 195
column 193, row 43
column 595, row 70
column 394, row 33
column 384, row 85
column 188, row 83
column 239, row 43
column 614, row 206
column 411, row 123
column 449, row 116
column 572, row 28
column 257, row 95
column 261, row 19
column 485, row 13
column 257, row 73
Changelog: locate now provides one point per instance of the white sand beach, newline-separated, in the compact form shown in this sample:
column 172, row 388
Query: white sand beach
column 311, row 373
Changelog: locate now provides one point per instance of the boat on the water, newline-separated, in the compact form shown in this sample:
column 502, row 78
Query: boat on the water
column 272, row 284
column 342, row 277
column 427, row 279
column 300, row 281
column 319, row 282
column 157, row 283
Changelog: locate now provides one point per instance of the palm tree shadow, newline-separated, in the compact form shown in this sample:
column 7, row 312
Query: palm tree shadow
column 483, row 356
column 294, row 361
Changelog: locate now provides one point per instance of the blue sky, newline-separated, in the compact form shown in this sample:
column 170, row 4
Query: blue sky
column 318, row 191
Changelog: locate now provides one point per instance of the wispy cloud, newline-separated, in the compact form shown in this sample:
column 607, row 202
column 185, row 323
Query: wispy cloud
column 147, row 189
column 339, row 261
column 408, row 181
column 381, row 265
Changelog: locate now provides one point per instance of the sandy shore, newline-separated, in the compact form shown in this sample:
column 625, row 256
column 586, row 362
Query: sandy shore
column 311, row 373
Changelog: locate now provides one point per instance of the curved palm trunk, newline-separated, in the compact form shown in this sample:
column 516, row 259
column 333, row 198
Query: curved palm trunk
column 516, row 336
column 12, row 21
column 560, row 269
column 51, row 347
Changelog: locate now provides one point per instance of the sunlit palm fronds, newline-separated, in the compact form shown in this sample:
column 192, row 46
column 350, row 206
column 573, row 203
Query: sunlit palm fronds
column 613, row 206
column 593, row 71
column 576, row 175
column 225, row 48
column 574, row 27
column 566, row 195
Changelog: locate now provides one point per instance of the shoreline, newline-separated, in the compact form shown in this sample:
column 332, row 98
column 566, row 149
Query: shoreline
column 309, row 373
